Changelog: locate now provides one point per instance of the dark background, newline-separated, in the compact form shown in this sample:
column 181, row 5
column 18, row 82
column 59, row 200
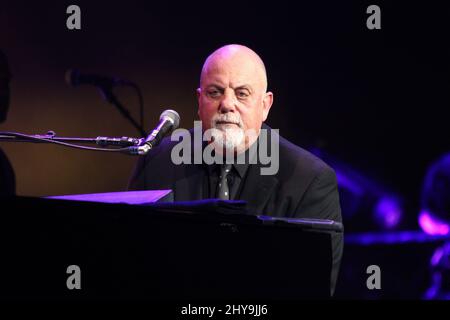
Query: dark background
column 376, row 100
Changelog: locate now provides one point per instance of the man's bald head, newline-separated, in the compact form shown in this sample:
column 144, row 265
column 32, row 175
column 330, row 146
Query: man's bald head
column 235, row 56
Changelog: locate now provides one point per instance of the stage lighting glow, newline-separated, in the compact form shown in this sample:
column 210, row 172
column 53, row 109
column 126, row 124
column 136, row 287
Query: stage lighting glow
column 433, row 225
column 388, row 212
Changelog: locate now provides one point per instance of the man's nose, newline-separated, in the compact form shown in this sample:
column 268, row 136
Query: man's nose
column 228, row 102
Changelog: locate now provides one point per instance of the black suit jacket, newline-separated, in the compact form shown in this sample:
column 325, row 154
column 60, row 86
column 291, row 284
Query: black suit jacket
column 303, row 187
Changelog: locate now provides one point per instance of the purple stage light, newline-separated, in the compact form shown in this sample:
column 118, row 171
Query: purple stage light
column 437, row 256
column 388, row 212
column 392, row 237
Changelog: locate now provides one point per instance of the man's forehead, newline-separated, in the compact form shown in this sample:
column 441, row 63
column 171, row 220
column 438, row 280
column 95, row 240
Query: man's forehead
column 231, row 73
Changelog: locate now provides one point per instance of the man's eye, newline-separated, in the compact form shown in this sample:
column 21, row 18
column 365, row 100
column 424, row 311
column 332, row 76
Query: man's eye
column 214, row 93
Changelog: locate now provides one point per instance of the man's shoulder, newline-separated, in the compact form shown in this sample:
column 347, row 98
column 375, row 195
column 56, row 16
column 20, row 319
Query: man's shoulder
column 294, row 158
column 299, row 155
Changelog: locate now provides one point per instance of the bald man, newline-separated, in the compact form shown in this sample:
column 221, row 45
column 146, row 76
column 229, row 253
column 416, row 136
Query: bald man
column 232, row 96
column 233, row 100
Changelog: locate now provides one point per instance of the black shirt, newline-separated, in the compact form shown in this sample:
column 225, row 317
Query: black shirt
column 236, row 177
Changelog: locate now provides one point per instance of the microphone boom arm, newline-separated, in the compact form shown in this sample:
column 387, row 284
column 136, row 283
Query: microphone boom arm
column 124, row 144
column 168, row 121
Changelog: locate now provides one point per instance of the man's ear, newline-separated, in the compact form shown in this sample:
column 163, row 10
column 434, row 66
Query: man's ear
column 199, row 92
column 267, row 104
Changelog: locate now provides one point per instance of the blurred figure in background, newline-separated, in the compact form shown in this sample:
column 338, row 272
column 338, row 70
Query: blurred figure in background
column 368, row 204
column 7, row 177
column 434, row 217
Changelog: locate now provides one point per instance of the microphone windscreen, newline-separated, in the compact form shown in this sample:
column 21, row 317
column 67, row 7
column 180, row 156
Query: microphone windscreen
column 172, row 115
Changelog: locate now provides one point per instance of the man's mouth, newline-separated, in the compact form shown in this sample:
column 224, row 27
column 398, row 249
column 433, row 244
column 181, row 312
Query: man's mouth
column 226, row 123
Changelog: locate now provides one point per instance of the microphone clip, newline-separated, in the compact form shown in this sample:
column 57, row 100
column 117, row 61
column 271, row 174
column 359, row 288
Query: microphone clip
column 123, row 141
column 139, row 150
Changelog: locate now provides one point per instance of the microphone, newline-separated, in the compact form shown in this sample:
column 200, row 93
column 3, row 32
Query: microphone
column 105, row 85
column 74, row 78
column 168, row 121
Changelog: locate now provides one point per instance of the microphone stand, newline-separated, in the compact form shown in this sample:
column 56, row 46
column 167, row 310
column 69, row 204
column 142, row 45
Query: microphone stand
column 125, row 144
column 133, row 146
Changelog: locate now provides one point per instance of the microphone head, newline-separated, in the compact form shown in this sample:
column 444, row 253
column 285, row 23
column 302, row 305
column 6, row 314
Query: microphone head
column 75, row 78
column 173, row 116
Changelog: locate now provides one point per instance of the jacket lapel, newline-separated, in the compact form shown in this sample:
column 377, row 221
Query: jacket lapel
column 258, row 190
column 189, row 183
column 189, row 177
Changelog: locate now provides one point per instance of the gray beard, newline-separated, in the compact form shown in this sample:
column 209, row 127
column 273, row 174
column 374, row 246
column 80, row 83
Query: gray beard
column 228, row 139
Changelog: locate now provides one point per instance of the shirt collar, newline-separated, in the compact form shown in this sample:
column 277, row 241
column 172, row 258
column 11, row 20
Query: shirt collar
column 240, row 168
